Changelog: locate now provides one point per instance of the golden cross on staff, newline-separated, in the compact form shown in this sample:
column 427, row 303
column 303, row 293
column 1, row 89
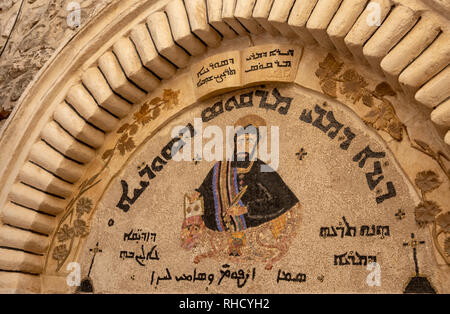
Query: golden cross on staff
column 414, row 244
column 95, row 250
column 238, row 197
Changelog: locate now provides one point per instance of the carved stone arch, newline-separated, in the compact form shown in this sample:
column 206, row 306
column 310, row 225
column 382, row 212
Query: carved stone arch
column 130, row 53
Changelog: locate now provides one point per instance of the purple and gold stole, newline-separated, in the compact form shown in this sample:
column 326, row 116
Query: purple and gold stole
column 225, row 188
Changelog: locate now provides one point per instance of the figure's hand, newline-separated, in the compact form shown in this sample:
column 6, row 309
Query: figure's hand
column 237, row 210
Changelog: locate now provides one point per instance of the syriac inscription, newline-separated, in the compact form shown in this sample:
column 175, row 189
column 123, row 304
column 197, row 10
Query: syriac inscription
column 222, row 72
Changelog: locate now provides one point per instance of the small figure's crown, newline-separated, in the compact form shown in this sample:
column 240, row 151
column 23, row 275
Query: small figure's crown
column 194, row 208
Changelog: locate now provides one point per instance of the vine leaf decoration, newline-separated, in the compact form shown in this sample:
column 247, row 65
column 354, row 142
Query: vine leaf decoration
column 427, row 181
column 429, row 212
column 148, row 112
column 72, row 225
column 383, row 117
column 384, row 89
column 126, row 144
column 333, row 78
column 60, row 253
column 353, row 86
column 327, row 73
column 71, row 228
column 67, row 234
column 426, row 212
column 437, row 156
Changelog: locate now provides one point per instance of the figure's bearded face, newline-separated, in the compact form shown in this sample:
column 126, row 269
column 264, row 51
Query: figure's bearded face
column 191, row 232
column 246, row 145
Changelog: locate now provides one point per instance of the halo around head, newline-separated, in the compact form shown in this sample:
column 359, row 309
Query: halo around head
column 250, row 119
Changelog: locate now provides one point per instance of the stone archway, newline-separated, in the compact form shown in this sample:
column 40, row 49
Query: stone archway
column 133, row 51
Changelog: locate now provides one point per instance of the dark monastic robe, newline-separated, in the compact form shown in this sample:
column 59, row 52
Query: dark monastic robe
column 267, row 196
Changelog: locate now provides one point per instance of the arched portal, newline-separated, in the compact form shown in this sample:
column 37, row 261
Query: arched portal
column 327, row 207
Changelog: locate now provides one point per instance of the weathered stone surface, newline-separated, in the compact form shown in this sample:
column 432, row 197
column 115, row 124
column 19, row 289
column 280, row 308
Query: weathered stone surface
column 40, row 29
column 319, row 20
column 298, row 18
column 160, row 32
column 21, row 239
column 111, row 68
column 399, row 21
column 48, row 158
column 434, row 59
column 80, row 99
column 228, row 9
column 243, row 12
column 28, row 219
column 343, row 21
column 19, row 283
column 261, row 13
column 180, row 28
column 63, row 142
column 34, row 175
column 96, row 84
column 71, row 122
column 12, row 260
column 279, row 15
column 216, row 20
column 30, row 197
column 198, row 20
column 436, row 90
column 132, row 65
column 410, row 47
column 148, row 53
column 441, row 115
column 362, row 30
